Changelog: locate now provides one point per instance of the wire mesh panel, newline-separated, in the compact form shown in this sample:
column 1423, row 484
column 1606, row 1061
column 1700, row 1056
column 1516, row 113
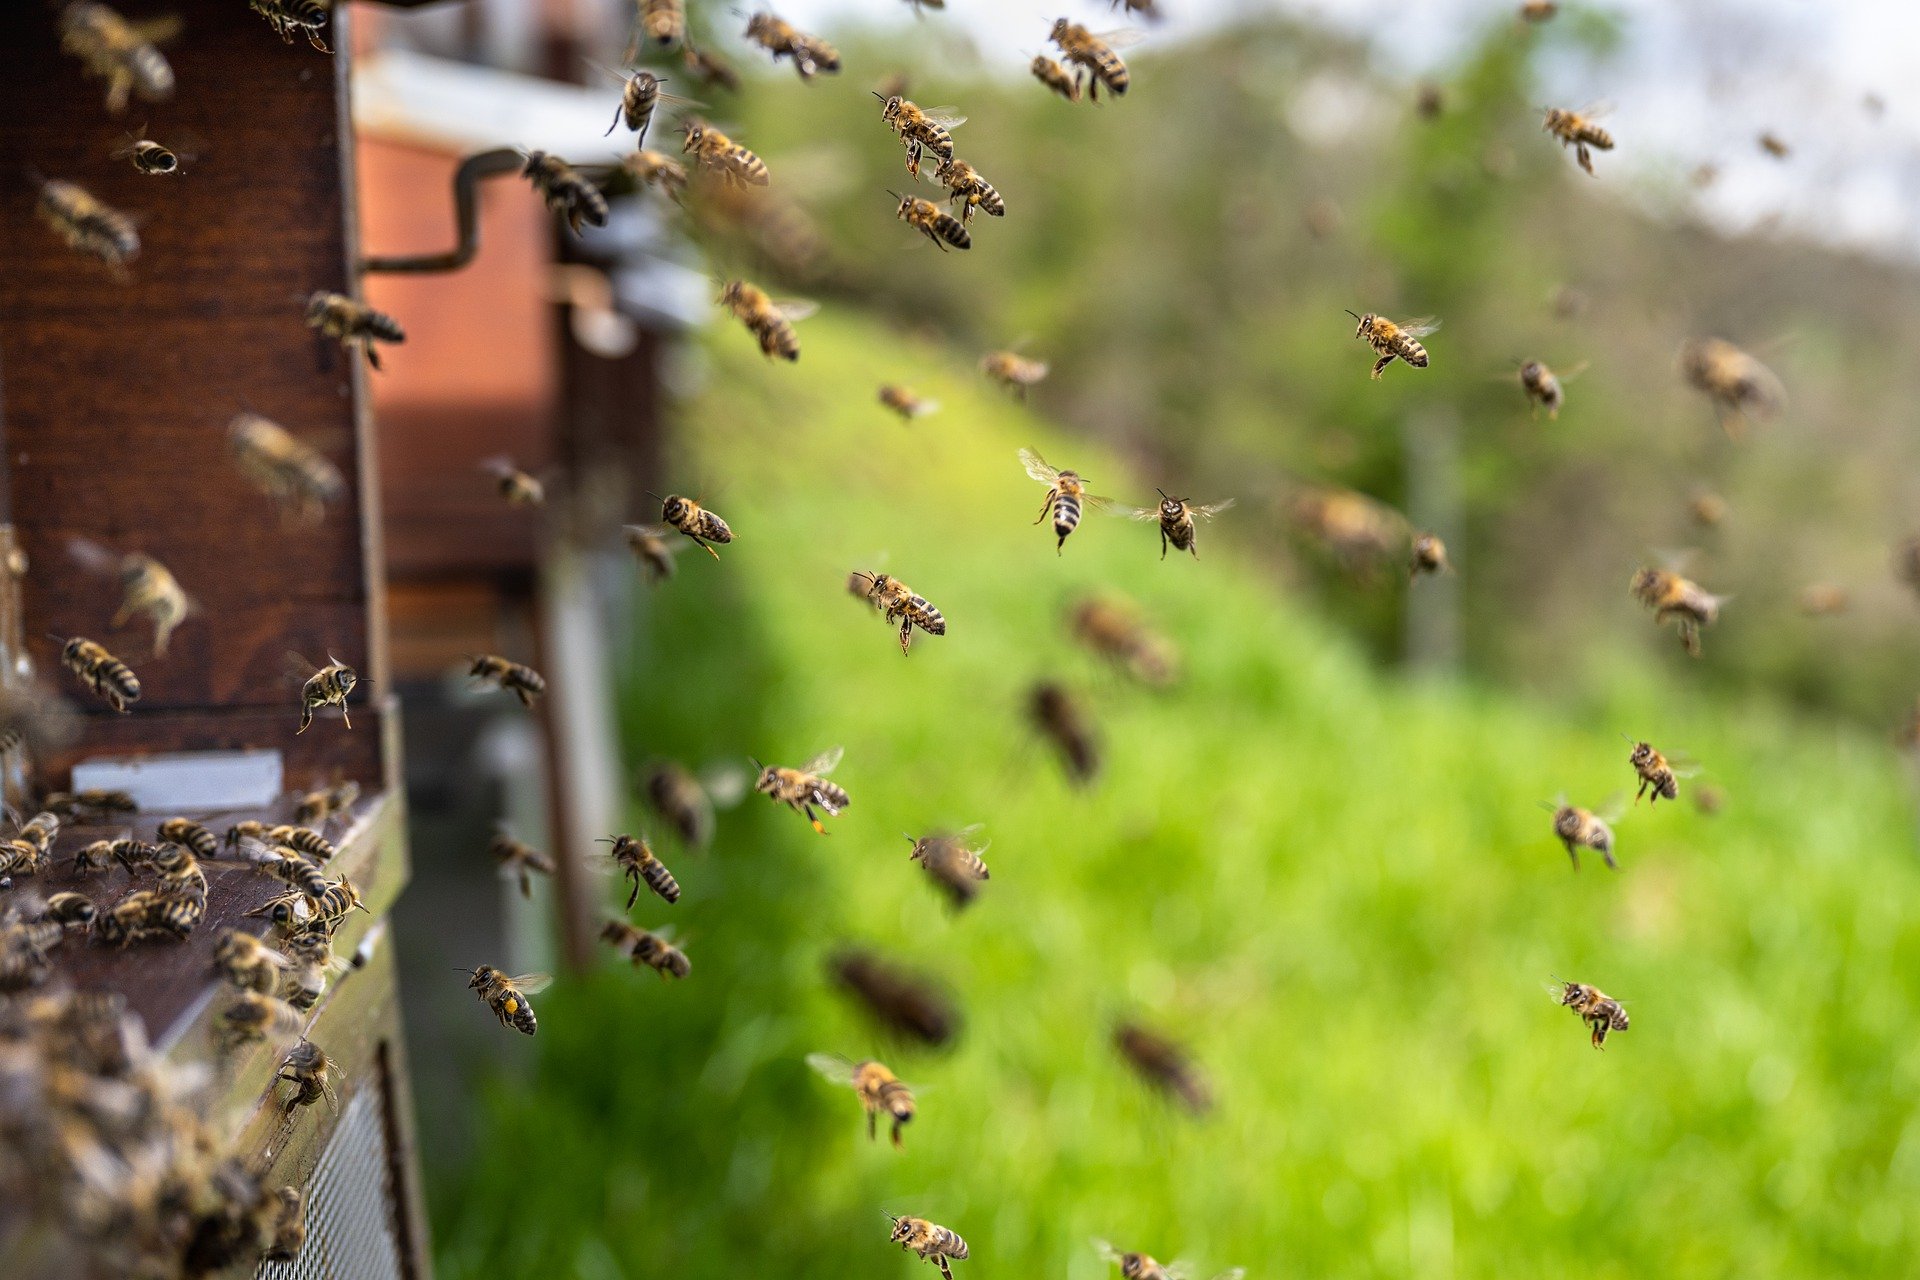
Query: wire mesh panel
column 350, row 1208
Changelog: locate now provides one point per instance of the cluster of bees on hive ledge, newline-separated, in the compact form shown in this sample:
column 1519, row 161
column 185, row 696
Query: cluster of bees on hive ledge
column 217, row 1210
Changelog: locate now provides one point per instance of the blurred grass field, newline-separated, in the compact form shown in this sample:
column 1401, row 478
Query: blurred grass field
column 1335, row 883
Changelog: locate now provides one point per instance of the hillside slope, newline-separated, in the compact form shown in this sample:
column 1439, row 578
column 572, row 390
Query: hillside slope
column 1338, row 886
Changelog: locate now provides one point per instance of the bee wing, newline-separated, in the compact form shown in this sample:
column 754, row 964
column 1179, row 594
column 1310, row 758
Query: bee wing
column 92, row 556
column 824, row 763
column 970, row 830
column 796, row 309
column 725, row 784
column 1107, row 505
column 945, row 117
column 499, row 464
column 1137, row 513
column 532, row 984
column 1232, row 1273
column 1612, row 809
column 1568, row 375
column 299, row 667
column 1420, row 328
column 1106, row 1249
column 1120, row 37
column 1595, row 110
column 1038, row 468
column 1209, row 511
column 833, row 1067
column 1178, row 1269
column 661, row 531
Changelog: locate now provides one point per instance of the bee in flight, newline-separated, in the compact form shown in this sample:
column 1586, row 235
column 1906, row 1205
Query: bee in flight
column 1392, row 341
column 148, row 156
column 769, row 321
column 905, row 403
column 953, row 862
column 1177, row 517
column 89, row 225
column 1051, row 74
column 147, row 586
column 293, row 473
column 1115, row 628
column 352, row 324
column 1164, row 1064
column 1600, row 1011
column 879, row 1089
column 1063, row 720
column 685, row 800
column 566, row 192
column 1774, row 145
column 898, row 603
column 920, row 129
column 810, row 54
column 657, row 169
column 654, row 546
column 1095, row 54
column 1542, row 385
column 663, row 24
column 289, row 18
column 517, row 488
column 969, row 190
column 519, row 860
column 716, row 152
column 1657, row 774
column 1066, row 494
column 806, row 787
column 710, row 69
column 1429, row 556
column 1014, row 372
column 933, row 222
column 124, row 54
column 1677, row 599
column 639, row 98
column 689, row 517
column 326, row 687
column 507, row 997
column 644, row 947
column 1579, row 829
column 524, row 682
column 930, row 1241
column 110, row 679
column 1738, row 385
column 1577, row 129
column 1143, row 1266
column 635, row 858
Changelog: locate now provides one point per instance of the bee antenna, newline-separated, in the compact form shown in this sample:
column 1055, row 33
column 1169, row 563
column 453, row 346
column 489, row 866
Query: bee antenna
column 1354, row 314
column 757, row 766
column 1162, row 492
column 876, row 93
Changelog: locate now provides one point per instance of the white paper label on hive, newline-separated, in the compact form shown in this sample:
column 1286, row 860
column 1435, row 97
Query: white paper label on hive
column 191, row 781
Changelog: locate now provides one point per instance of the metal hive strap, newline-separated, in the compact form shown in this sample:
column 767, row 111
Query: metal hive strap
column 466, row 215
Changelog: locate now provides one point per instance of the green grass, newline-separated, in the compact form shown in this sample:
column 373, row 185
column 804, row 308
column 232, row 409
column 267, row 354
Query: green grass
column 1335, row 883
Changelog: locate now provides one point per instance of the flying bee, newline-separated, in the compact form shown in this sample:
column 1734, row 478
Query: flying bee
column 905, row 403
column 657, row 169
column 521, row 680
column 1824, row 599
column 352, row 323
column 147, row 587
column 110, row 679
column 769, row 321
column 289, row 471
column 70, row 908
column 308, row 1069
column 716, row 152
column 1062, row 719
column 953, row 862
column 1066, row 493
column 517, row 488
column 638, row 100
column 663, row 23
column 1672, row 597
column 803, row 788
column 1577, row 130
column 810, row 54
column 1542, row 385
column 654, row 546
column 1177, row 517
column 315, row 807
column 148, row 156
column 969, row 190
column 290, row 18
column 1600, row 1011
column 1738, row 385
column 326, row 687
column 1538, row 10
column 1055, row 77
column 507, row 997
column 635, row 858
column 685, row 801
column 1095, row 53
column 1392, row 341
column 1429, row 556
column 1360, row 533
column 253, row 1016
column 1014, row 372
column 879, row 1089
column 566, row 192
column 519, row 860
column 1774, row 145
column 89, row 226
column 1580, row 829
column 41, row 830
column 898, row 603
column 1657, row 774
column 122, row 53
column 1164, row 1064
column 249, row 963
column 1144, row 1266
column 934, row 223
column 710, row 69
column 901, row 1001
column 931, row 1241
column 920, row 129
column 654, row 950
column 1116, row 630
column 184, row 831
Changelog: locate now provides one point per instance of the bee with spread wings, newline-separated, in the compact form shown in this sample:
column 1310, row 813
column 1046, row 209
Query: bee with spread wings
column 1176, row 517
column 805, row 788
column 1066, row 492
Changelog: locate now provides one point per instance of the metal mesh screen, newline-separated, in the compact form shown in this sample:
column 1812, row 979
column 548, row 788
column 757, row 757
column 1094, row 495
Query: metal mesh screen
column 350, row 1209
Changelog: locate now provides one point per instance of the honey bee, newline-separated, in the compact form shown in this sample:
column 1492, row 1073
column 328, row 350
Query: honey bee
column 41, row 830
column 290, row 18
column 310, row 1071
column 306, row 980
column 803, row 788
column 1177, row 517
column 1538, row 10
column 1577, row 129
column 1055, row 77
column 517, row 488
column 315, row 807
column 879, row 1089
column 110, row 679
column 150, row 913
column 1143, row 1266
column 905, row 403
column 1095, row 53
column 122, row 53
column 654, row 950
column 635, row 857
column 249, row 963
column 715, row 152
column 710, row 70
column 1392, row 341
column 932, row 1242
column 953, row 863
column 1062, row 719
column 1738, row 385
column 1116, row 630
column 663, row 23
column 902, row 1001
column 1580, row 829
column 292, row 473
column 933, row 222
column 24, row 961
column 89, row 226
column 1600, row 1011
column 1542, row 386
column 969, row 190
column 1774, row 145
column 147, row 587
column 523, row 681
column 253, row 1016
column 94, row 857
column 326, row 687
column 654, row 546
column 769, row 321
column 519, row 860
column 657, row 169
column 1359, row 532
column 1672, row 597
column 148, row 157
column 1657, row 774
column 686, row 801
column 638, row 100
column 1014, row 372
column 352, row 323
column 689, row 517
column 810, row 54
column 340, row 897
column 19, row 858
column 1707, row 508
column 1429, row 101
column 193, row 835
column 1429, row 556
column 507, row 997
column 1066, row 493
column 898, row 603
column 70, row 908
column 566, row 192
column 920, row 129
column 1164, row 1064
column 179, row 869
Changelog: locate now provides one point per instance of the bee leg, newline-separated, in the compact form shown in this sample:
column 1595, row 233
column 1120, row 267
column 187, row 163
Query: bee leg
column 526, row 885
column 1572, row 852
column 618, row 111
column 1608, row 855
column 872, row 1122
column 373, row 357
column 1163, row 544
column 808, row 810
column 1046, row 506
column 633, row 897
column 1380, row 365
column 1585, row 157
column 343, row 713
column 906, row 635
column 526, row 699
